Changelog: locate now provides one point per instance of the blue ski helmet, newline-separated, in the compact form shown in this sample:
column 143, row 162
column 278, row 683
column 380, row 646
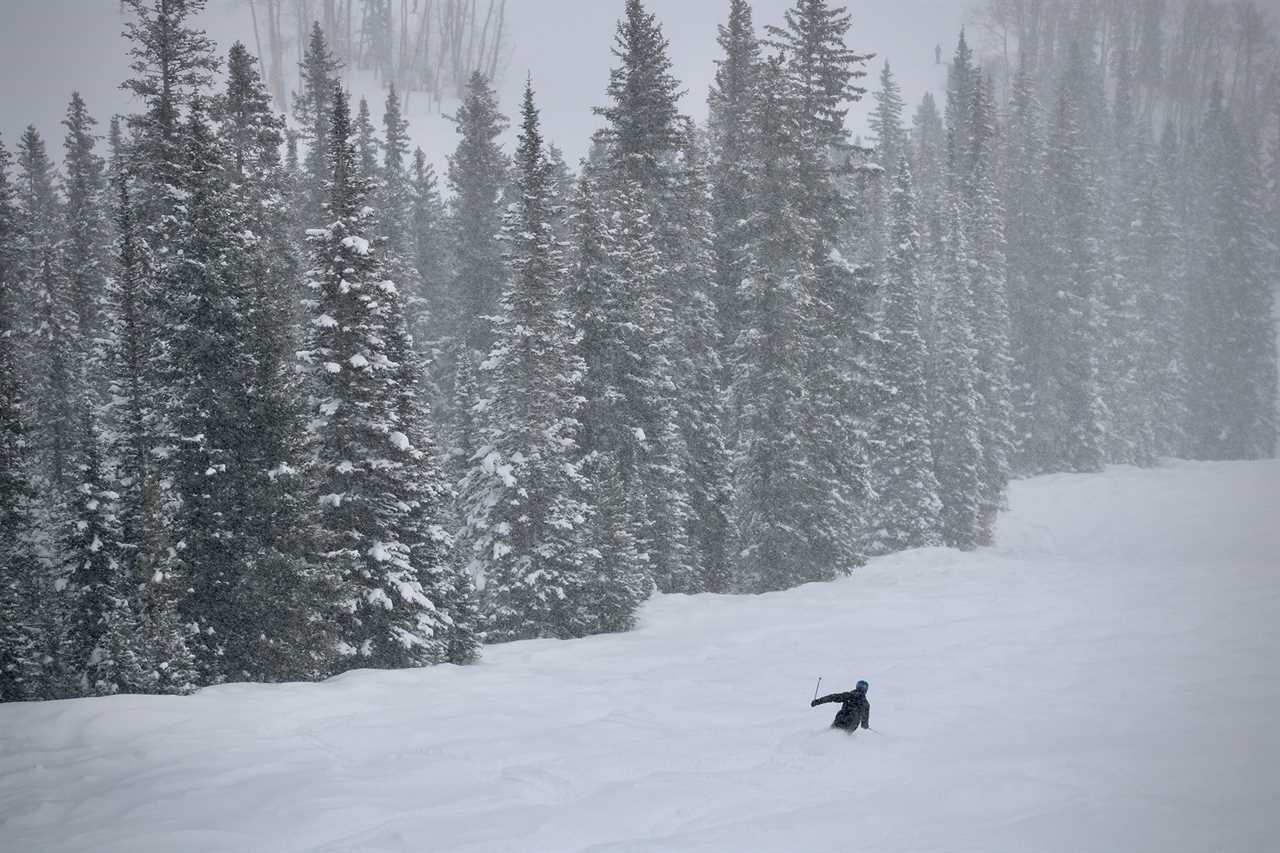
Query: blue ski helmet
column 863, row 686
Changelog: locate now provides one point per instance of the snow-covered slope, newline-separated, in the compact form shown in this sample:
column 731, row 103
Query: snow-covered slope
column 1105, row 680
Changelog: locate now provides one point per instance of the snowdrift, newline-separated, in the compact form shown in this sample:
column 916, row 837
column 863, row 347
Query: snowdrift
column 1104, row 680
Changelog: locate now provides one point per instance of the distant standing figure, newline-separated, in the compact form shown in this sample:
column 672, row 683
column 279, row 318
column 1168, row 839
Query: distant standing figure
column 937, row 55
column 854, row 711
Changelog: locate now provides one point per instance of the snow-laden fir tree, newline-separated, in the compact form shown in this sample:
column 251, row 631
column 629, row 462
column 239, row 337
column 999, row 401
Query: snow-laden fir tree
column 821, row 79
column 477, row 176
column 394, row 195
column 780, row 531
column 957, row 426
column 99, row 651
column 368, row 472
column 52, row 328
column 1070, row 419
column 84, row 247
column 907, row 505
column 646, row 197
column 1027, row 227
column 523, row 497
column 312, row 111
column 1160, row 277
column 426, row 303
column 729, row 130
column 131, row 417
column 172, row 63
column 630, row 386
column 1230, row 322
column 990, row 320
column 599, row 306
column 928, row 169
column 21, row 667
column 367, row 146
column 699, row 373
column 643, row 124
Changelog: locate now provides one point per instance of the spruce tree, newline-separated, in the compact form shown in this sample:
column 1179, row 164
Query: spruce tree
column 990, row 320
column 907, row 505
column 84, row 255
column 730, row 130
column 20, row 638
column 477, row 175
column 369, row 473
column 699, row 373
column 643, row 123
column 781, row 532
column 1028, row 219
column 523, row 497
column 1071, row 419
column 367, row 145
column 99, row 653
column 312, row 107
column 426, row 304
column 1231, row 335
column 957, row 428
column 52, row 333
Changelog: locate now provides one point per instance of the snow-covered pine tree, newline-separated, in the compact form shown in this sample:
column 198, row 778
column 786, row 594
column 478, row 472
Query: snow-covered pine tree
column 427, row 300
column 1027, row 225
column 173, row 67
column 20, row 664
column 367, row 147
column 907, row 505
column 52, row 330
column 639, row 423
column 312, row 107
column 990, row 320
column 962, row 82
column 642, row 122
column 394, row 196
column 477, row 176
column 1071, row 418
column 640, row 147
column 523, row 496
column 958, row 423
column 84, row 248
column 822, row 79
column 173, row 62
column 1156, row 275
column 890, row 147
column 98, row 654
column 928, row 168
column 254, row 591
column 368, row 471
column 729, row 130
column 131, row 415
column 699, row 373
column 1231, row 330
column 778, row 505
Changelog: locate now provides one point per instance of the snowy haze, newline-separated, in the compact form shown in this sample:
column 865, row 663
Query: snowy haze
column 52, row 47
column 1102, row 681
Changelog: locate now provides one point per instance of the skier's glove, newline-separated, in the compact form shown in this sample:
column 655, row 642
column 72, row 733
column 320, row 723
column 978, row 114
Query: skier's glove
column 813, row 704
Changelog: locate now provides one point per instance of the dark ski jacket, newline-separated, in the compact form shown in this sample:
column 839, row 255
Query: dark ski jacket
column 854, row 711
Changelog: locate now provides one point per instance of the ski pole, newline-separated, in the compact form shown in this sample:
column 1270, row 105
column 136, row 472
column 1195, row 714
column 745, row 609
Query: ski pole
column 815, row 689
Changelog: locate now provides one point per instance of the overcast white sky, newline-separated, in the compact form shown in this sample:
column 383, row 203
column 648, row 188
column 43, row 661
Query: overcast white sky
column 50, row 47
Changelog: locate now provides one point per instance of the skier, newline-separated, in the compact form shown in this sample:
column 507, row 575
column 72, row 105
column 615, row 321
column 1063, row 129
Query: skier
column 854, row 711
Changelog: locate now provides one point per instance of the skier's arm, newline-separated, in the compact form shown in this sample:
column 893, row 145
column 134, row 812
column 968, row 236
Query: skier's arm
column 826, row 700
column 866, row 714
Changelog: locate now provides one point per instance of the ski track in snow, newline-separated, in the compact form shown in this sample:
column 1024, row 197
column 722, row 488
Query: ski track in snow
column 1105, row 679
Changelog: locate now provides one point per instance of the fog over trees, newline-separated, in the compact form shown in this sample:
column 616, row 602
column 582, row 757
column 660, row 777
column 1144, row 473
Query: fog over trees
column 279, row 399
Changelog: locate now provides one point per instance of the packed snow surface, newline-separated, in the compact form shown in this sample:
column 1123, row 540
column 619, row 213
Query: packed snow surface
column 1104, row 680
